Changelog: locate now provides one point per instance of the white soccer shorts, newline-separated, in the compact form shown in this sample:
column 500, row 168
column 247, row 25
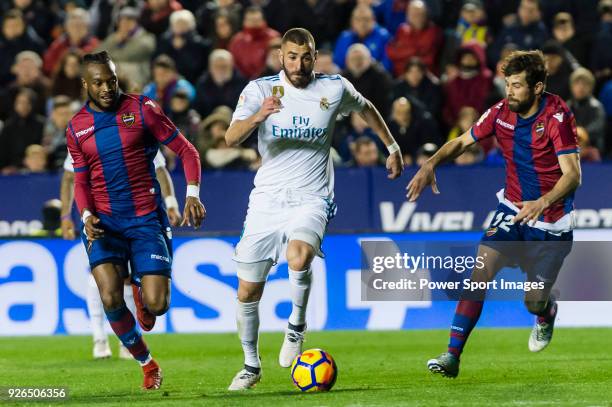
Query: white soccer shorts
column 273, row 219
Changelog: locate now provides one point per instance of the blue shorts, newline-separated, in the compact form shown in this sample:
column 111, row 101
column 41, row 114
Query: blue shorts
column 537, row 252
column 143, row 241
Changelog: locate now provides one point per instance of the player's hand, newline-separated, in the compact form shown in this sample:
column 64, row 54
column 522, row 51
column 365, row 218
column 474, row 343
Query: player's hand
column 193, row 213
column 530, row 211
column 92, row 228
column 174, row 216
column 424, row 176
column 270, row 105
column 395, row 165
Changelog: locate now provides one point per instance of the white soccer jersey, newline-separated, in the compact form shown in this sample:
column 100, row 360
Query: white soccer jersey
column 158, row 161
column 294, row 143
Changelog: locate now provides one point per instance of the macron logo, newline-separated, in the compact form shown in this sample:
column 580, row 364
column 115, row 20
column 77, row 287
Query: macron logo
column 160, row 257
column 150, row 102
column 504, row 124
column 559, row 116
column 84, row 132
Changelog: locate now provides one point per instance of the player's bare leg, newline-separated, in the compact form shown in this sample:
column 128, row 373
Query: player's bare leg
column 467, row 314
column 543, row 304
column 247, row 319
column 152, row 298
column 109, row 278
column 299, row 257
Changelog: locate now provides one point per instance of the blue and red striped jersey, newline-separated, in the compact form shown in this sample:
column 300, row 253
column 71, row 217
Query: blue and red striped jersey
column 113, row 154
column 530, row 147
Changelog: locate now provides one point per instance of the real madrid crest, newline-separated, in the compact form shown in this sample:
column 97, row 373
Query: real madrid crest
column 128, row 119
column 278, row 91
column 324, row 104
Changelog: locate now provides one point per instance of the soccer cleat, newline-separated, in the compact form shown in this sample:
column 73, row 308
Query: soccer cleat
column 152, row 376
column 146, row 320
column 124, row 353
column 542, row 333
column 101, row 350
column 245, row 380
column 292, row 346
column 446, row 364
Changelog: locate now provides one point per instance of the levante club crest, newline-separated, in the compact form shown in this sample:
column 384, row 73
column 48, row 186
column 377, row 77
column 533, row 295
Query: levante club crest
column 128, row 119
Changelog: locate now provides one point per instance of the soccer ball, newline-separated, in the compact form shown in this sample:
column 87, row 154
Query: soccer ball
column 314, row 370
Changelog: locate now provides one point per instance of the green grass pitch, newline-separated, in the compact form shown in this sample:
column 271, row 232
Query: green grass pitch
column 375, row 368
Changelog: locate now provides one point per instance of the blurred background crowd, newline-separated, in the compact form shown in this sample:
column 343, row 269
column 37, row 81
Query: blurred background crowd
column 431, row 67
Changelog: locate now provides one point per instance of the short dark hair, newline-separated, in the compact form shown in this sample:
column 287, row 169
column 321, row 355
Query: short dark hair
column 97, row 58
column 299, row 36
column 530, row 62
column 415, row 62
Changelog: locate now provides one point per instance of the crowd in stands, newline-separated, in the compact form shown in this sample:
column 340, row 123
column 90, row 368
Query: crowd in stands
column 431, row 67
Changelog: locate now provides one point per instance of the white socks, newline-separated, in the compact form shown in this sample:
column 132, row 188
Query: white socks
column 299, row 282
column 96, row 311
column 247, row 317
column 128, row 297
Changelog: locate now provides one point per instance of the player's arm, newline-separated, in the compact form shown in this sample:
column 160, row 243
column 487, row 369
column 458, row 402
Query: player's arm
column 426, row 174
column 167, row 191
column 395, row 162
column 82, row 190
column 166, row 132
column 570, row 180
column 67, row 198
column 240, row 130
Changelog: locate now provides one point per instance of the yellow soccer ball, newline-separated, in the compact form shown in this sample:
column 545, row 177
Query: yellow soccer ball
column 314, row 370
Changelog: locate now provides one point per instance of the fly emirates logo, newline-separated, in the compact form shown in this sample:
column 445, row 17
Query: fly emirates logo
column 301, row 130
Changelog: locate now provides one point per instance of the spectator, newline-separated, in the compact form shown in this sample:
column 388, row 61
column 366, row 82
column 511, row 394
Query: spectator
column 418, row 37
column 208, row 12
column 183, row 116
column 54, row 133
column 166, row 81
column 184, row 45
column 391, row 13
column 472, row 85
column 418, row 84
column 76, row 38
column 273, row 64
column 214, row 152
column 466, row 118
column 411, row 126
column 499, row 81
column 131, row 47
column 528, row 32
column 155, row 17
column 472, row 25
column 364, row 30
column 344, row 141
column 249, row 46
column 366, row 153
column 588, row 153
column 16, row 37
column 225, row 28
column 67, row 78
column 368, row 77
column 317, row 16
column 36, row 14
column 560, row 66
column 35, row 160
column 601, row 56
column 425, row 152
column 105, row 15
column 22, row 128
column 28, row 74
column 325, row 63
column 588, row 111
column 221, row 85
column 472, row 155
column 564, row 33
